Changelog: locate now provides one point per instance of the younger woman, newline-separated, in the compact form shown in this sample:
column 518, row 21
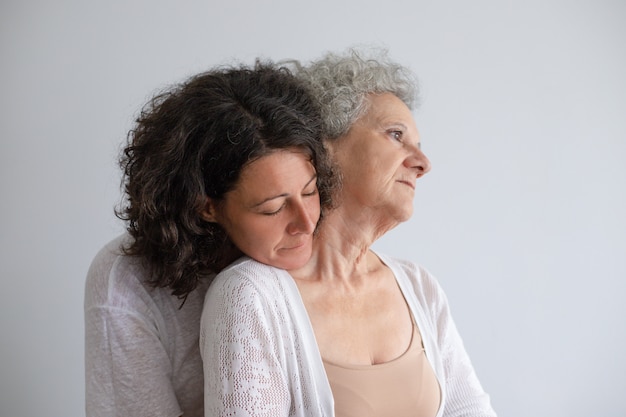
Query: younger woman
column 191, row 149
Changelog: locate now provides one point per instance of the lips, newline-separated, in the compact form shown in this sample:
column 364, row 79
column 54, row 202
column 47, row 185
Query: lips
column 296, row 246
column 409, row 183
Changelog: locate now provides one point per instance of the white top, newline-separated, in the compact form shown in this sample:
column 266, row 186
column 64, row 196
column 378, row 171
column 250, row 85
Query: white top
column 141, row 349
column 261, row 358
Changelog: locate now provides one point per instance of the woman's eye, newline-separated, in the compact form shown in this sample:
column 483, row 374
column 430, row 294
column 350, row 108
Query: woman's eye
column 310, row 193
column 396, row 134
column 273, row 213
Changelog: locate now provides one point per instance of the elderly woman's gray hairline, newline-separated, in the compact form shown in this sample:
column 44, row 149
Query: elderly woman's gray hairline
column 344, row 102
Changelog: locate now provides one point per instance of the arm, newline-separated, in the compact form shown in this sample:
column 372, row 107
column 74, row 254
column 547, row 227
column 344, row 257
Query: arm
column 240, row 346
column 127, row 368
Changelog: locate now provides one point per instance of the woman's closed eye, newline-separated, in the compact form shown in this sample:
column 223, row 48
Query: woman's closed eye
column 310, row 193
column 273, row 211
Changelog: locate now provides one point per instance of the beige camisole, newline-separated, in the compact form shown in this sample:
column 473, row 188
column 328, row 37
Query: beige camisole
column 405, row 386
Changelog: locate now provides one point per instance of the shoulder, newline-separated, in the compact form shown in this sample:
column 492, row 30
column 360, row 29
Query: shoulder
column 249, row 288
column 246, row 273
column 410, row 271
column 247, row 278
column 416, row 278
column 106, row 257
column 115, row 279
column 248, row 294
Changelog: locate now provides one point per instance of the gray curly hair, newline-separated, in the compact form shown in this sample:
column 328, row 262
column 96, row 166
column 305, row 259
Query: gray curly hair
column 342, row 82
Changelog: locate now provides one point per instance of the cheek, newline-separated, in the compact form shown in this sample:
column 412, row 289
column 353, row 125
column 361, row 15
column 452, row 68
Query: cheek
column 355, row 166
column 314, row 210
column 255, row 241
column 247, row 233
column 256, row 233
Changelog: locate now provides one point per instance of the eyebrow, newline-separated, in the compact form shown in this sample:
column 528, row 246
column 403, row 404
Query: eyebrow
column 387, row 122
column 283, row 195
column 403, row 126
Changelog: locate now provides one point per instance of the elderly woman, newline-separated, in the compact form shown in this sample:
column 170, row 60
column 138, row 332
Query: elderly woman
column 353, row 332
column 231, row 142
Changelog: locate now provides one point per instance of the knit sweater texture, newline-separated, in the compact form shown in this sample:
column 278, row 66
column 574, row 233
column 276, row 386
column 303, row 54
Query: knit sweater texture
column 260, row 356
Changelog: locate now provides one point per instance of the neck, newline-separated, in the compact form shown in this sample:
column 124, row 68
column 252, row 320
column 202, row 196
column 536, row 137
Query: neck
column 341, row 250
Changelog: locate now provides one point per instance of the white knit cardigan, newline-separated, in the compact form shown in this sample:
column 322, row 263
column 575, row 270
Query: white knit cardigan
column 261, row 359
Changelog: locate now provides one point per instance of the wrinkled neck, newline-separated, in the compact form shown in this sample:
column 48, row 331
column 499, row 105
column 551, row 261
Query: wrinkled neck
column 341, row 250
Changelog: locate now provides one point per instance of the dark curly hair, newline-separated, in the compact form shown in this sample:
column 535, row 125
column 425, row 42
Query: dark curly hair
column 191, row 142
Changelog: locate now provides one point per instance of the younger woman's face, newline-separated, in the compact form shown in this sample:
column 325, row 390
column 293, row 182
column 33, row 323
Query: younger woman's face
column 273, row 210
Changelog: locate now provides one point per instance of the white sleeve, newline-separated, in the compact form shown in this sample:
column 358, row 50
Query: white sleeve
column 244, row 370
column 127, row 369
column 465, row 396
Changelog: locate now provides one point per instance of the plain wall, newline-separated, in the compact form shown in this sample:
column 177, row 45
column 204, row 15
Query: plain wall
column 522, row 217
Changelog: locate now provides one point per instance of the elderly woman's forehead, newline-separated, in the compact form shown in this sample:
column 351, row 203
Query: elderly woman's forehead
column 384, row 102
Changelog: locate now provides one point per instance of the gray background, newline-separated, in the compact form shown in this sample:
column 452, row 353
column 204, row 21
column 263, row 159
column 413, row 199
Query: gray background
column 522, row 217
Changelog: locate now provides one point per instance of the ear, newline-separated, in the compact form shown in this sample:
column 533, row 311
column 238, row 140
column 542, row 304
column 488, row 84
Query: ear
column 208, row 211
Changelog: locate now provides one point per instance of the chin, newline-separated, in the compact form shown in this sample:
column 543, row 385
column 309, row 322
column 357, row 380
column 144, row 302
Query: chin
column 402, row 216
column 290, row 259
column 292, row 264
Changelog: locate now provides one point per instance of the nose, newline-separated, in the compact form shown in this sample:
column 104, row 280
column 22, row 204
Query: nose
column 418, row 160
column 304, row 220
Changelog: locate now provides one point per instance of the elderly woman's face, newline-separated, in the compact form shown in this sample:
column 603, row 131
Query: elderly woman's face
column 380, row 158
